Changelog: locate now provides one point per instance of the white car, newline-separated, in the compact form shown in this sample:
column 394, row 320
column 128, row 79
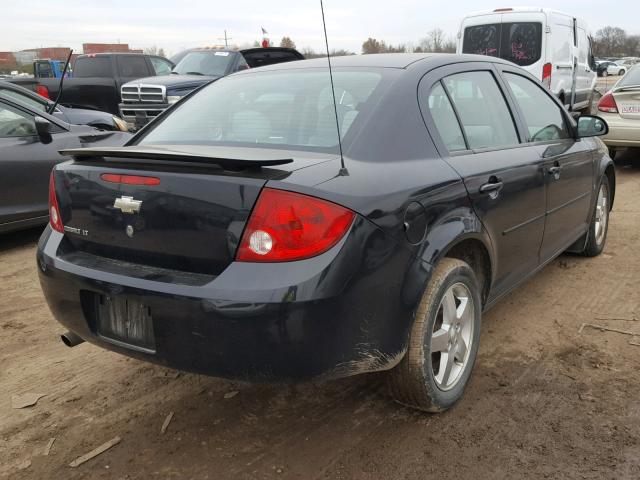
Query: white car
column 619, row 68
column 553, row 46
column 620, row 107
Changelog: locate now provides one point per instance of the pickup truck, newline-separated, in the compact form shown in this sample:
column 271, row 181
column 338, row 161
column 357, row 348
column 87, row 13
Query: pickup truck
column 146, row 98
column 97, row 79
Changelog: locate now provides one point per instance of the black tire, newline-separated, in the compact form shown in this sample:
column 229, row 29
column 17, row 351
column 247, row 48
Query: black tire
column 597, row 238
column 413, row 381
column 605, row 73
column 621, row 72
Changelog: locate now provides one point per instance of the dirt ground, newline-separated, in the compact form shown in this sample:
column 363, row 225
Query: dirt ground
column 545, row 401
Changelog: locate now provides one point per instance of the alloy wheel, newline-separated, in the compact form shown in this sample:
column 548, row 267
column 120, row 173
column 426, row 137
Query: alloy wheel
column 602, row 213
column 452, row 336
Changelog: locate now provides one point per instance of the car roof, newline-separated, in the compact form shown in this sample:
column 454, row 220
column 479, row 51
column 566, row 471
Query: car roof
column 385, row 60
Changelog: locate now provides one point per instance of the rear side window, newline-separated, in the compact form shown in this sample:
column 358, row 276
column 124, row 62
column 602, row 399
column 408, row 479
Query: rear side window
column 160, row 66
column 132, row 66
column 631, row 79
column 518, row 42
column 483, row 111
column 543, row 117
column 445, row 119
column 92, row 67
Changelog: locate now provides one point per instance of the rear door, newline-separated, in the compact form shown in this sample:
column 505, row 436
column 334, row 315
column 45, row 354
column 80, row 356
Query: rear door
column 478, row 135
column 568, row 163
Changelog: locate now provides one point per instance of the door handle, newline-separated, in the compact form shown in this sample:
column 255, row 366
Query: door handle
column 555, row 171
column 492, row 187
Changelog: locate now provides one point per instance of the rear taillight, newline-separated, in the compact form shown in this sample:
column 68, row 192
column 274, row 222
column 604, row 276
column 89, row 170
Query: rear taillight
column 546, row 75
column 54, row 211
column 43, row 91
column 608, row 104
column 130, row 179
column 286, row 226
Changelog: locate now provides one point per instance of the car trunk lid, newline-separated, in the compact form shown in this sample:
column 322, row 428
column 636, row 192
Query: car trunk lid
column 166, row 207
column 628, row 101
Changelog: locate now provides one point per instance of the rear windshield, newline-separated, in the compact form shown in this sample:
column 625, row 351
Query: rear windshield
column 260, row 59
column 92, row 67
column 291, row 109
column 215, row 64
column 518, row 42
column 631, row 79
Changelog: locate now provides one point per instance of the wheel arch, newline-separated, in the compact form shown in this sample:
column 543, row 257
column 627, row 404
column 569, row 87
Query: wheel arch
column 610, row 172
column 457, row 236
column 474, row 252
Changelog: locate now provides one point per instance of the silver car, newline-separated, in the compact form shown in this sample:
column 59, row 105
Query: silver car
column 620, row 107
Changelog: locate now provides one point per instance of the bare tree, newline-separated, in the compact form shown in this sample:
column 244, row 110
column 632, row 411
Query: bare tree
column 286, row 42
column 436, row 42
column 610, row 41
column 371, row 45
column 436, row 39
column 309, row 52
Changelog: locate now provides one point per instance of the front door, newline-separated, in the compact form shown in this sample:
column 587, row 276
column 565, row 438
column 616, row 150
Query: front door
column 568, row 163
column 25, row 164
column 504, row 178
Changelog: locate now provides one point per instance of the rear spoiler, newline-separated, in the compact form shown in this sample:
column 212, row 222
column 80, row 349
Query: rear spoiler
column 162, row 155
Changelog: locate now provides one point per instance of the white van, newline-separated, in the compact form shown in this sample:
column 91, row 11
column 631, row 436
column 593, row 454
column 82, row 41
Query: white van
column 553, row 46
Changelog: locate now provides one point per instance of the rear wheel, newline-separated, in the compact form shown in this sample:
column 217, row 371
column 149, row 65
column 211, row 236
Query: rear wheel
column 597, row 236
column 621, row 72
column 443, row 342
column 605, row 73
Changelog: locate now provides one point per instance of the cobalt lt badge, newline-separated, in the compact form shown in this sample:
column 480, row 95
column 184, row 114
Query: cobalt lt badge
column 129, row 231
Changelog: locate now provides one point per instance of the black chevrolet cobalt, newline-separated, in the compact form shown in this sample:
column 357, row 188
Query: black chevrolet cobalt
column 231, row 238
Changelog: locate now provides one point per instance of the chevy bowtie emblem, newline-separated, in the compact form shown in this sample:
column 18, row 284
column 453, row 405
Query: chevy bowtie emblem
column 127, row 204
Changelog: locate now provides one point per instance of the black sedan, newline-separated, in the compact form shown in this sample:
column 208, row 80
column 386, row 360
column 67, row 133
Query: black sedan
column 238, row 237
column 75, row 116
column 29, row 144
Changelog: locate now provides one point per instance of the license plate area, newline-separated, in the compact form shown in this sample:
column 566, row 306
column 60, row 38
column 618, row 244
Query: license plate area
column 125, row 322
column 631, row 108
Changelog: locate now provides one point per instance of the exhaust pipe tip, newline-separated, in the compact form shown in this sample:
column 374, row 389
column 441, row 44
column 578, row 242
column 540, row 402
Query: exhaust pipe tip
column 70, row 339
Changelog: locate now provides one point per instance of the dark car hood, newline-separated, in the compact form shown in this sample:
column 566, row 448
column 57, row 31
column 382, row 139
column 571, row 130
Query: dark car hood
column 175, row 81
column 82, row 116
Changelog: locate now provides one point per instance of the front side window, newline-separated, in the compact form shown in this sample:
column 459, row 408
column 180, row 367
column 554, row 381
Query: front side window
column 445, row 119
column 518, row 42
column 543, row 117
column 14, row 123
column 287, row 109
column 483, row 111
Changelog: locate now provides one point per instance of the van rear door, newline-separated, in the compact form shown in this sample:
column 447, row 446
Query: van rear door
column 516, row 37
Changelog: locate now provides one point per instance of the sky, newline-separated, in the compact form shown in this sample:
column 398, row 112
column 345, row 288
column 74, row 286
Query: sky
column 178, row 24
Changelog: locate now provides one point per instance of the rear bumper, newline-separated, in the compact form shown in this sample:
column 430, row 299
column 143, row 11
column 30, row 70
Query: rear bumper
column 338, row 314
column 622, row 132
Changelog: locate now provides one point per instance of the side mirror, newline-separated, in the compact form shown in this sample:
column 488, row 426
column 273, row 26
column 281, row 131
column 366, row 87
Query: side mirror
column 43, row 129
column 240, row 68
column 592, row 126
